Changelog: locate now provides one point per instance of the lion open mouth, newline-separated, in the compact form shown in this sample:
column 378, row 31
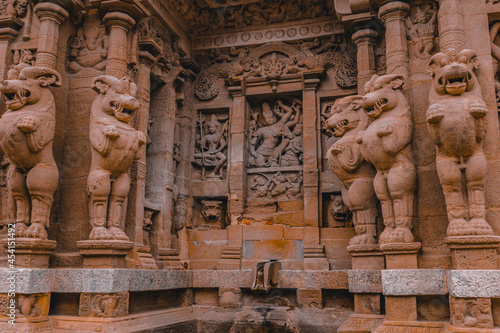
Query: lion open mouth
column 121, row 112
column 15, row 100
column 455, row 83
column 374, row 110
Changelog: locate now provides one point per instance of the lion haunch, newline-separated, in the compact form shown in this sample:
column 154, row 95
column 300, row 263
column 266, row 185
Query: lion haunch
column 26, row 134
column 115, row 144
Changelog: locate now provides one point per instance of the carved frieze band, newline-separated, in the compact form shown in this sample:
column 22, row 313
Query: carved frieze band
column 261, row 36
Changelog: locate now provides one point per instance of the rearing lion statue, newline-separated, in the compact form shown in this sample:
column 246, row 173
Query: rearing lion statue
column 457, row 123
column 26, row 133
column 115, row 144
column 347, row 163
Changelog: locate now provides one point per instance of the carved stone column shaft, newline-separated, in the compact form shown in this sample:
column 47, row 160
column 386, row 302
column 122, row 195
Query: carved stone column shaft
column 51, row 17
column 119, row 24
column 451, row 25
column 394, row 15
column 364, row 40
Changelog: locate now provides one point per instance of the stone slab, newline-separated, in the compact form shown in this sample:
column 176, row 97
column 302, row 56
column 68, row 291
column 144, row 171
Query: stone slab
column 474, row 283
column 408, row 282
column 27, row 280
column 365, row 281
column 220, row 278
column 145, row 279
column 313, row 279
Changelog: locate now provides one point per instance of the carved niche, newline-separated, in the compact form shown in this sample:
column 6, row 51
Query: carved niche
column 209, row 214
column 386, row 143
column 277, row 60
column 337, row 214
column 89, row 48
column 27, row 131
column 347, row 121
column 104, row 305
column 456, row 120
column 422, row 28
column 115, row 144
column 211, row 144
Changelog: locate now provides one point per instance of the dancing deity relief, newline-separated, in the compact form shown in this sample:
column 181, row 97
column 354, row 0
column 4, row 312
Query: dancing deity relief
column 277, row 142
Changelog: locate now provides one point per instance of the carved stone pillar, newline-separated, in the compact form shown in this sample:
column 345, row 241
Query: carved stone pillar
column 119, row 24
column 364, row 40
column 451, row 25
column 51, row 17
column 393, row 14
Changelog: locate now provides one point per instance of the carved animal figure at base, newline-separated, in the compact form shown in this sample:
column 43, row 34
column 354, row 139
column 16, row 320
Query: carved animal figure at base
column 346, row 161
column 115, row 144
column 26, row 135
column 386, row 143
column 457, row 123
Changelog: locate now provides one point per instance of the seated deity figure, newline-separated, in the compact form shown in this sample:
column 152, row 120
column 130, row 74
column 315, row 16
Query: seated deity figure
column 265, row 147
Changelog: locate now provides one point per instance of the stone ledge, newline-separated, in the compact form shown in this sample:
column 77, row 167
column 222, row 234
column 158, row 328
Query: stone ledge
column 408, row 282
column 365, row 281
column 313, row 279
column 222, row 278
column 474, row 283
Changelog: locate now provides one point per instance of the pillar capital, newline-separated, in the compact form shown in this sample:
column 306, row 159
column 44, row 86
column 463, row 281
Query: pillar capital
column 365, row 36
column 51, row 11
column 393, row 10
column 119, row 19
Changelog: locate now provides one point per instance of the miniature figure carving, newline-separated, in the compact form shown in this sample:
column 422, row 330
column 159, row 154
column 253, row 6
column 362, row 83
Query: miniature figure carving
column 269, row 142
column 475, row 312
column 115, row 144
column 147, row 223
column 211, row 145
column 89, row 48
column 457, row 123
column 422, row 28
column 277, row 186
column 339, row 214
column 346, row 161
column 26, row 136
column 212, row 213
column 386, row 143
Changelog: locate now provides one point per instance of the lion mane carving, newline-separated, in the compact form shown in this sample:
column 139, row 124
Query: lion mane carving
column 457, row 123
column 346, row 161
column 26, row 134
column 386, row 143
column 115, row 144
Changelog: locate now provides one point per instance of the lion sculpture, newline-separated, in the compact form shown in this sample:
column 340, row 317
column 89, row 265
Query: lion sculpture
column 27, row 131
column 115, row 144
column 346, row 161
column 386, row 143
column 457, row 123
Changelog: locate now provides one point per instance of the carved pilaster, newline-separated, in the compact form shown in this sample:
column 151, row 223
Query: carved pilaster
column 451, row 26
column 119, row 24
column 393, row 14
column 51, row 17
column 365, row 40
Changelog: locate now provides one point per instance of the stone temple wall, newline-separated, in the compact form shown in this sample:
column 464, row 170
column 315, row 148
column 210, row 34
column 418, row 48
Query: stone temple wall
column 249, row 166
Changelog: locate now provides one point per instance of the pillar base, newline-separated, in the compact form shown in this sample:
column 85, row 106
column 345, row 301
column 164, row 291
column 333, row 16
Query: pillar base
column 360, row 323
column 31, row 252
column 230, row 259
column 104, row 253
column 473, row 252
column 169, row 259
column 315, row 259
column 146, row 258
column 401, row 255
column 366, row 256
column 413, row 326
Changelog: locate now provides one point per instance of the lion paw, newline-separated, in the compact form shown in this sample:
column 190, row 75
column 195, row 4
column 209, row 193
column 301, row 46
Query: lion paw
column 36, row 230
column 141, row 137
column 385, row 235
column 337, row 148
column 384, row 130
column 28, row 124
column 362, row 239
column 99, row 233
column 359, row 137
column 478, row 110
column 459, row 227
column 481, row 227
column 117, row 233
column 435, row 114
column 111, row 132
column 20, row 229
column 401, row 235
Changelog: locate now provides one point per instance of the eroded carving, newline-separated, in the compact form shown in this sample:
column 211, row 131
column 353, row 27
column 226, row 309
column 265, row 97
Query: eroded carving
column 386, row 143
column 26, row 136
column 348, row 120
column 104, row 305
column 338, row 213
column 471, row 312
column 457, row 123
column 115, row 144
column 276, row 186
column 211, row 144
column 422, row 28
column 212, row 213
column 89, row 48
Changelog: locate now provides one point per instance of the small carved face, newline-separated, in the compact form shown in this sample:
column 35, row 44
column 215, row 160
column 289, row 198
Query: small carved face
column 383, row 94
column 338, row 209
column 211, row 210
column 29, row 87
column 454, row 74
column 345, row 115
column 297, row 130
column 117, row 97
